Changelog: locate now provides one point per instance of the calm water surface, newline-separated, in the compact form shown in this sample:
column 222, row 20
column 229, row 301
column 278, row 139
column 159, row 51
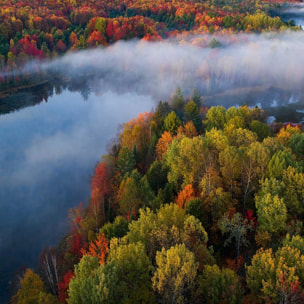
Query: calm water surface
column 47, row 155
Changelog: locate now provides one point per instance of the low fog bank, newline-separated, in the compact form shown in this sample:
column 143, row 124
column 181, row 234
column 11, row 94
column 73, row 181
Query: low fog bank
column 254, row 62
column 263, row 68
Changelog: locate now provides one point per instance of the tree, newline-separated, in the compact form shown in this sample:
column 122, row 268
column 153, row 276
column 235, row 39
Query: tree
column 175, row 274
column 157, row 176
column 277, row 278
column 237, row 228
column 48, row 267
column 32, row 291
column 297, row 144
column 262, row 130
column 189, row 129
column 100, row 189
column 254, row 165
column 99, row 248
column 129, row 196
column 133, row 268
column 188, row 160
column 118, row 228
column 171, row 123
column 125, row 161
column 280, row 161
column 196, row 98
column 157, row 230
column 293, row 193
column 220, row 286
column 178, row 101
column 83, row 286
column 215, row 118
column 192, row 114
column 162, row 144
column 194, row 234
column 185, row 195
column 63, row 287
column 272, row 213
column 231, row 169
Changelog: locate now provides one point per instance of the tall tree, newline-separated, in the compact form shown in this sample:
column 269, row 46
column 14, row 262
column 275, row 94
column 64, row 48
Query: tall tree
column 175, row 274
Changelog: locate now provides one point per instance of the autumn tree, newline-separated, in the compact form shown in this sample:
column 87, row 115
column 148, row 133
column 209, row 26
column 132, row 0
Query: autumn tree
column 220, row 286
column 162, row 144
column 32, row 290
column 277, row 277
column 100, row 189
column 99, row 248
column 185, row 195
column 175, row 274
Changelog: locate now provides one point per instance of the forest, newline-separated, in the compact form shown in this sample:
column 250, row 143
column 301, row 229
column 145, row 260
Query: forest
column 190, row 205
column 40, row 29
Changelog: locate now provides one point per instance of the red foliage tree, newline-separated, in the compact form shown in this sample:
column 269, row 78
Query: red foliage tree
column 63, row 286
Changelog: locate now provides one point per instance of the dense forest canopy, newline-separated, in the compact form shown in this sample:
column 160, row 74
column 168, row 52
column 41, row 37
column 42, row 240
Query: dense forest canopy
column 43, row 29
column 190, row 205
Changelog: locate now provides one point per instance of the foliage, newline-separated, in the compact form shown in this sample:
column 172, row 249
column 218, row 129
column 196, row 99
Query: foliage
column 175, row 274
column 32, row 290
column 220, row 286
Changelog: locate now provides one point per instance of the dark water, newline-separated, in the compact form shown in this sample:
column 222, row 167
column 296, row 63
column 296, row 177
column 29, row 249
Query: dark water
column 47, row 155
column 294, row 12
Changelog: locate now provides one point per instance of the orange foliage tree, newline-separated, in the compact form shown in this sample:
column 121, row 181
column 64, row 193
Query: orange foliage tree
column 185, row 195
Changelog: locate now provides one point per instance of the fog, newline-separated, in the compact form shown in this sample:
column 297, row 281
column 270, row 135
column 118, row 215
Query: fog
column 250, row 62
column 157, row 68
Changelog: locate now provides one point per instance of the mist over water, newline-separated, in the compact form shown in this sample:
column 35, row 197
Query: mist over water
column 47, row 156
column 251, row 68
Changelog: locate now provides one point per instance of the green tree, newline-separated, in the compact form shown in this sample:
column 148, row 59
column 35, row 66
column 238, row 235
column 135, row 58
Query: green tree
column 192, row 114
column 280, row 161
column 175, row 274
column 125, row 161
column 272, row 213
column 231, row 168
column 133, row 268
column 88, row 275
column 294, row 191
column 196, row 98
column 262, row 130
column 297, row 144
column 220, row 286
column 178, row 101
column 172, row 123
column 118, row 228
column 188, row 160
column 215, row 118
